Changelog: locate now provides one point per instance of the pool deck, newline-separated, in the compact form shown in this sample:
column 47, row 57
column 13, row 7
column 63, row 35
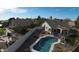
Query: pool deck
column 52, row 45
column 25, row 47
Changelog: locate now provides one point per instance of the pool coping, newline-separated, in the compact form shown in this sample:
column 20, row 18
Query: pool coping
column 52, row 45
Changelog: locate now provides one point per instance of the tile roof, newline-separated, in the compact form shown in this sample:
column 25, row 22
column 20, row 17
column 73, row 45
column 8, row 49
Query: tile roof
column 57, row 23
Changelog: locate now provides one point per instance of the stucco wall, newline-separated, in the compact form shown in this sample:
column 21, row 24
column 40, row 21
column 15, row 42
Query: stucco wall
column 71, row 24
column 46, row 26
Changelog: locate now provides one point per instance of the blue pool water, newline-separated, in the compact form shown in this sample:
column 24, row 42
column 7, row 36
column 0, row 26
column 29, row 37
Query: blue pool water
column 44, row 44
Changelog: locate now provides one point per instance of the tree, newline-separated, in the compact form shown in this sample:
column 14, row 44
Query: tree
column 77, row 22
column 21, row 29
column 9, row 35
column 55, row 19
column 71, row 39
column 67, row 19
column 5, row 24
column 2, row 31
column 39, row 17
column 10, row 19
column 50, row 17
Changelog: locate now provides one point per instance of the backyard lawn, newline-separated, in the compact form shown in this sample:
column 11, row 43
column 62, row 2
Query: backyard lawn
column 2, row 31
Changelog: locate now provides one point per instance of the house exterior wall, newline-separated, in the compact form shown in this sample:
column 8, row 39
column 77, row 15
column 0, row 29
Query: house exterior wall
column 3, row 45
column 71, row 24
column 46, row 27
column 1, row 25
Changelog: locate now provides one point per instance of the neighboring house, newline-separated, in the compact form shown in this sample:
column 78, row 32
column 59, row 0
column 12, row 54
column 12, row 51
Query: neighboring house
column 57, row 26
column 22, row 22
column 71, row 24
column 0, row 25
column 2, row 44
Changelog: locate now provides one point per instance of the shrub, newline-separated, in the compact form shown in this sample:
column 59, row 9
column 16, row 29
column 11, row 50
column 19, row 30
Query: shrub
column 21, row 29
column 71, row 39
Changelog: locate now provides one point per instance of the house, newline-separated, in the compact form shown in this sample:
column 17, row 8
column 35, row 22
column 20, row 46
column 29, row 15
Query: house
column 57, row 26
column 71, row 24
column 1, row 25
column 47, row 27
column 22, row 22
column 2, row 44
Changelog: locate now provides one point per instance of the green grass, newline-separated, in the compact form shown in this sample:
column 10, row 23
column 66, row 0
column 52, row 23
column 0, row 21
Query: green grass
column 2, row 31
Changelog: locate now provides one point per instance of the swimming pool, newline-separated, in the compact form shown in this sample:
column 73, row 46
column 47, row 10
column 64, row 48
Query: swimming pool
column 45, row 43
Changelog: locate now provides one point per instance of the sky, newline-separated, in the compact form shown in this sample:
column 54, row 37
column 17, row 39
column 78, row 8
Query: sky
column 55, row 12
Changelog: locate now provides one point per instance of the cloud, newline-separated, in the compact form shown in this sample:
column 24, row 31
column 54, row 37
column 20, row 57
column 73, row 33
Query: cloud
column 13, row 10
column 1, row 10
column 18, row 10
column 9, row 4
